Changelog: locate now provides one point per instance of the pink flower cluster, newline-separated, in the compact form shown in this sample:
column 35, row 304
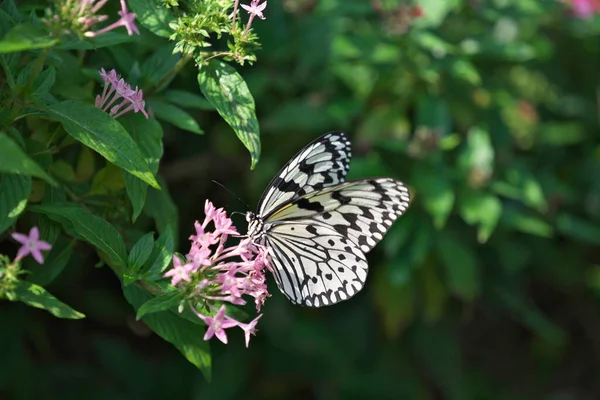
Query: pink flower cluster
column 116, row 89
column 584, row 9
column 216, row 273
column 81, row 16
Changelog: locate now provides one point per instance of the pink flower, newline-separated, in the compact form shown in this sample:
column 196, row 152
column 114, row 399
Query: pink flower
column 116, row 90
column 31, row 245
column 138, row 102
column 217, row 324
column 224, row 225
column 202, row 238
column 249, row 329
column 219, row 274
column 585, row 9
column 80, row 17
column 229, row 283
column 179, row 272
column 255, row 9
column 199, row 257
column 126, row 20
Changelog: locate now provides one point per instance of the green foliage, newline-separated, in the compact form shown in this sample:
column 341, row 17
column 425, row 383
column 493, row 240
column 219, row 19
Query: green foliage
column 487, row 288
column 226, row 90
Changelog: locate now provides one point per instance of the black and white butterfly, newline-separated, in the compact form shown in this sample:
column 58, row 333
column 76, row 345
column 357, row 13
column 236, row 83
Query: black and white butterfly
column 317, row 228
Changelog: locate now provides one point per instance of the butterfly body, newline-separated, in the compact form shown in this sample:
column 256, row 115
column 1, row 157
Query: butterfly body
column 317, row 228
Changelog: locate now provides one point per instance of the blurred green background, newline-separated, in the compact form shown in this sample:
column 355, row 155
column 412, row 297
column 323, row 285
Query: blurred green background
column 488, row 288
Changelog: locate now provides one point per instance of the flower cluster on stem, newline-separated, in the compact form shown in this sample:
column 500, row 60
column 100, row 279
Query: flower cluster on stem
column 11, row 270
column 81, row 16
column 215, row 274
column 255, row 10
column 117, row 97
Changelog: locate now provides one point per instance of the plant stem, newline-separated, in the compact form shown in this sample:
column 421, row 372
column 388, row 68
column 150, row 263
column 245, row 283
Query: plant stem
column 235, row 8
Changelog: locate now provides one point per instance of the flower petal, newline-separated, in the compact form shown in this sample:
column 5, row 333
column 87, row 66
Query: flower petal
column 19, row 237
column 221, row 335
column 37, row 255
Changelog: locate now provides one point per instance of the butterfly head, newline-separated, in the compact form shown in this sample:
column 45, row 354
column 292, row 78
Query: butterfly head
column 255, row 224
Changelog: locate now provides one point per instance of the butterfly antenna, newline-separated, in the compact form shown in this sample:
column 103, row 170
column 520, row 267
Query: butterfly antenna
column 233, row 194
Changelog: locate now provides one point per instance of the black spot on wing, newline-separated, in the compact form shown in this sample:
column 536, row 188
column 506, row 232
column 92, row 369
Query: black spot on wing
column 337, row 195
column 306, row 204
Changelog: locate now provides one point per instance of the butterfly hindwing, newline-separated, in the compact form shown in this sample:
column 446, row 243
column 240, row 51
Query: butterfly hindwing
column 322, row 163
column 314, row 265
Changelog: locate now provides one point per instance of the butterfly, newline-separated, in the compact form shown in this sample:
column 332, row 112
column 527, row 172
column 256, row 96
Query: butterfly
column 316, row 228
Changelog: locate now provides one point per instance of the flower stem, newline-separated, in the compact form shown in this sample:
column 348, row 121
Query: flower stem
column 235, row 8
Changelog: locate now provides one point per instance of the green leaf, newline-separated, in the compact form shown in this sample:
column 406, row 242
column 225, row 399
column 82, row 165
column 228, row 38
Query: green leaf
column 437, row 349
column 481, row 209
column 175, row 115
column 526, row 312
column 465, row 70
column 14, row 191
column 434, row 294
column 82, row 224
column 42, row 85
column 186, row 336
column 140, row 252
column 6, row 22
column 153, row 15
column 161, row 255
column 148, row 134
column 188, row 100
column 435, row 12
column 437, row 193
column 562, row 133
column 49, row 230
column 136, row 190
column 524, row 222
column 578, row 228
column 521, row 184
column 434, row 113
column 394, row 300
column 160, row 207
column 97, row 130
column 53, row 265
column 161, row 302
column 477, row 156
column 107, row 39
column 228, row 92
column 25, row 37
column 160, row 65
column 36, row 296
column 14, row 160
column 462, row 268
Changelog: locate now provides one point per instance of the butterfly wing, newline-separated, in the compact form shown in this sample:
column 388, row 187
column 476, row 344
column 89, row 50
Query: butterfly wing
column 313, row 264
column 322, row 163
column 318, row 242
column 361, row 211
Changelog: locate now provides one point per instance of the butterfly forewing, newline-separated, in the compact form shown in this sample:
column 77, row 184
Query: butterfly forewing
column 361, row 210
column 317, row 229
column 322, row 163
